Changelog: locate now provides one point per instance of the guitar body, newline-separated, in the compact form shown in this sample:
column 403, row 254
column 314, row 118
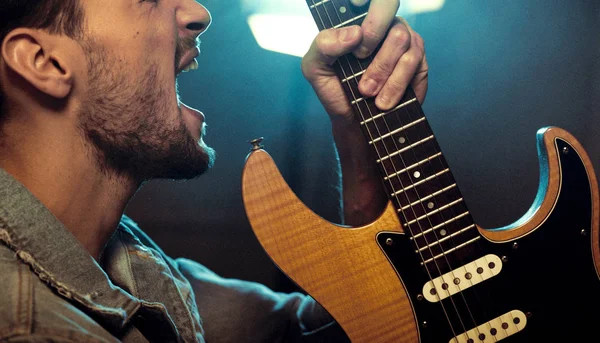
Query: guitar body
column 538, row 278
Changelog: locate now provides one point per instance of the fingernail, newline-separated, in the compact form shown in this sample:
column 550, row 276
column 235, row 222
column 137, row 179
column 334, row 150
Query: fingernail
column 348, row 34
column 369, row 86
column 382, row 101
column 362, row 52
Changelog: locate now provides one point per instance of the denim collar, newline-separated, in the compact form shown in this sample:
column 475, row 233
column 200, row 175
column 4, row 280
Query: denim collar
column 41, row 240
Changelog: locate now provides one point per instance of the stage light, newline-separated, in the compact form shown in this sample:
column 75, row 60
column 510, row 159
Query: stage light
column 287, row 34
column 287, row 26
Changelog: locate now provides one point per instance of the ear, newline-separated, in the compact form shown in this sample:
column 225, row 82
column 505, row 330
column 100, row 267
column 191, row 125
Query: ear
column 32, row 54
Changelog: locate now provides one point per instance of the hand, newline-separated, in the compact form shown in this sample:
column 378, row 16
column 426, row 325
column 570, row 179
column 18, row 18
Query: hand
column 400, row 61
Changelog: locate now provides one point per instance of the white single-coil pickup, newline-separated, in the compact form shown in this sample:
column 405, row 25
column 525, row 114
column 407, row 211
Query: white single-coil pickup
column 462, row 278
column 495, row 330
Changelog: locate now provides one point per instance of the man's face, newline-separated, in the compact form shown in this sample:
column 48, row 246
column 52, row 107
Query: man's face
column 130, row 113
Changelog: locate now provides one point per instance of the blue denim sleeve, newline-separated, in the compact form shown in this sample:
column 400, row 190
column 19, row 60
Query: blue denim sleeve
column 240, row 311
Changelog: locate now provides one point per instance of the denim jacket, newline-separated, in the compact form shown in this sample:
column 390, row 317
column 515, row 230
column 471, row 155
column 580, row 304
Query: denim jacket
column 52, row 290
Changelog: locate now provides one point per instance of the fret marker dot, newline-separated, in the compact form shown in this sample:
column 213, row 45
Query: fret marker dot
column 417, row 174
column 402, row 140
column 430, row 205
column 443, row 232
column 342, row 9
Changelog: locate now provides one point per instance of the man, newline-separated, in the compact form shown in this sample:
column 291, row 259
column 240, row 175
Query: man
column 88, row 112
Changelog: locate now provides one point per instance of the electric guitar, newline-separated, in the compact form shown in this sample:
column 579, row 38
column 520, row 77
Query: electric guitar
column 424, row 271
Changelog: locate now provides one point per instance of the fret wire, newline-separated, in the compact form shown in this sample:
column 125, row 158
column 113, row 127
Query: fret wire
column 318, row 3
column 457, row 201
column 421, row 182
column 428, row 214
column 396, row 131
column 451, row 250
column 462, row 215
column 350, row 21
column 412, row 166
column 447, row 245
column 472, row 226
column 353, row 76
column 405, row 149
column 443, row 225
column 357, row 100
column 430, row 196
column 390, row 111
column 426, row 209
column 423, row 171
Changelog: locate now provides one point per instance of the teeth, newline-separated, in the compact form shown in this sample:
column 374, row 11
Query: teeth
column 192, row 66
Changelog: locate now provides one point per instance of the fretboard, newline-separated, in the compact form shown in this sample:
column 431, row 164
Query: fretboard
column 414, row 170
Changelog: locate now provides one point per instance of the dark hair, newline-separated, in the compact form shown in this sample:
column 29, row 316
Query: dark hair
column 57, row 16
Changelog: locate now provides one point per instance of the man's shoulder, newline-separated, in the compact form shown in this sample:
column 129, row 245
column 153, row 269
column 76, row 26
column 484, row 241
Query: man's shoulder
column 31, row 311
column 131, row 227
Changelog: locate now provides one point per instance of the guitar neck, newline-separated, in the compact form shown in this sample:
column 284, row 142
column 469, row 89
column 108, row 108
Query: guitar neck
column 414, row 171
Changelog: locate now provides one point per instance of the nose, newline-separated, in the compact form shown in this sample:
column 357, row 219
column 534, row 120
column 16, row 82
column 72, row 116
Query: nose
column 192, row 17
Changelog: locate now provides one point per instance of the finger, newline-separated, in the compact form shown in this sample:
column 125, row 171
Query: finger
column 421, row 81
column 395, row 45
column 327, row 47
column 410, row 67
column 379, row 18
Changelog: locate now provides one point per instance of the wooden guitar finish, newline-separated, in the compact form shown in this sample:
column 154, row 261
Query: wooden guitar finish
column 372, row 279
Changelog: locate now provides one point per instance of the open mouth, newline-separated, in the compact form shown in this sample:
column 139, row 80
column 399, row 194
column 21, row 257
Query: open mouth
column 188, row 61
column 193, row 65
column 193, row 118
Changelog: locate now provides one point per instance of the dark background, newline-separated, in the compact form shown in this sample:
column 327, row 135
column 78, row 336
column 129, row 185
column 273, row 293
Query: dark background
column 499, row 71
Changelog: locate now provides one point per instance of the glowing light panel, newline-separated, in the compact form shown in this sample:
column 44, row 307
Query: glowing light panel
column 287, row 26
column 287, row 34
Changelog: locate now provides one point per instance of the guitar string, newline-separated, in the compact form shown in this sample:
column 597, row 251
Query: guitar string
column 418, row 196
column 435, row 179
column 437, row 185
column 451, row 208
column 387, row 153
column 377, row 152
column 441, row 213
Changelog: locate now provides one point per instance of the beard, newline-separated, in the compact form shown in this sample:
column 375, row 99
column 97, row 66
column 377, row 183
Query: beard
column 129, row 124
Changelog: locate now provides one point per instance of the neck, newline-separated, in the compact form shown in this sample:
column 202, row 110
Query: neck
column 61, row 171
